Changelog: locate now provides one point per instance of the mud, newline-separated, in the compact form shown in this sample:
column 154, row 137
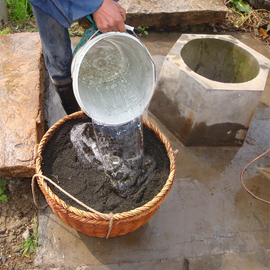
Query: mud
column 89, row 183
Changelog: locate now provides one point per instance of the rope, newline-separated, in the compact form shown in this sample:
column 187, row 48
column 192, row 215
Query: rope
column 105, row 216
column 33, row 181
column 110, row 225
column 34, row 196
column 35, row 153
column 89, row 33
column 175, row 152
column 242, row 175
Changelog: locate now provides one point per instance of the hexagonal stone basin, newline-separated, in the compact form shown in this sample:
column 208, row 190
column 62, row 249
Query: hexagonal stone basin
column 208, row 89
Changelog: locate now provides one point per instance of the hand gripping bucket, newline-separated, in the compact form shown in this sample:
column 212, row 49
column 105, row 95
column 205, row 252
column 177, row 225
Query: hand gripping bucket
column 113, row 77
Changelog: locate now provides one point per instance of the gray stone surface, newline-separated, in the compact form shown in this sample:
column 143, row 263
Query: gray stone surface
column 207, row 222
column 175, row 264
column 173, row 12
column 3, row 13
column 21, row 102
column 256, row 260
column 209, row 88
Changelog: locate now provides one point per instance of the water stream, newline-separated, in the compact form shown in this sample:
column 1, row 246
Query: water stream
column 115, row 83
column 119, row 149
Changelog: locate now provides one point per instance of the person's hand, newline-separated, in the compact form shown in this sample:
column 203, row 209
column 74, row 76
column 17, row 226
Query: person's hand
column 110, row 17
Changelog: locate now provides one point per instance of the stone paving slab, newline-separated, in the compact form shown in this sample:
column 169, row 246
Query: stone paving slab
column 21, row 102
column 173, row 12
column 177, row 264
column 258, row 260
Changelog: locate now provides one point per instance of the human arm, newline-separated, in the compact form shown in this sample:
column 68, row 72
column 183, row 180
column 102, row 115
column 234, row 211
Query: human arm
column 110, row 17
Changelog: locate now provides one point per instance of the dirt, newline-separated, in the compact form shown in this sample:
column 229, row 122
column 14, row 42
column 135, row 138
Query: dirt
column 91, row 185
column 16, row 218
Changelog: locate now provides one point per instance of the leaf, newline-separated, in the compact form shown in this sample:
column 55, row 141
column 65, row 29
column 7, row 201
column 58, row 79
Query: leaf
column 29, row 245
column 242, row 6
column 4, row 198
column 3, row 183
column 263, row 32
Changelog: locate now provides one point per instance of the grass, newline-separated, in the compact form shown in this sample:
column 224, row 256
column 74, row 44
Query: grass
column 20, row 17
column 5, row 31
column 30, row 244
column 19, row 11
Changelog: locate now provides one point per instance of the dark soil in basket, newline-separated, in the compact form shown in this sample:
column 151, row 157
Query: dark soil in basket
column 91, row 186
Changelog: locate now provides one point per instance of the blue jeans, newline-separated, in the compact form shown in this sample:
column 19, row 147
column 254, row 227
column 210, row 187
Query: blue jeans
column 56, row 47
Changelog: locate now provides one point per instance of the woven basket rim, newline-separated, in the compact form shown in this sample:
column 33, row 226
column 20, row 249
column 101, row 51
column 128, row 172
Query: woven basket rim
column 134, row 213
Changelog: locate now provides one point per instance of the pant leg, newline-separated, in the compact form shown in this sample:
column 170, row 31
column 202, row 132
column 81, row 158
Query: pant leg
column 56, row 47
column 57, row 53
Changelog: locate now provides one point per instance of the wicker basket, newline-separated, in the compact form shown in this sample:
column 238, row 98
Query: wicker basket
column 94, row 224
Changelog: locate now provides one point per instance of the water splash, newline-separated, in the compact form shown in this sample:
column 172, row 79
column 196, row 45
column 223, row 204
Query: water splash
column 129, row 183
column 82, row 138
column 120, row 144
column 119, row 149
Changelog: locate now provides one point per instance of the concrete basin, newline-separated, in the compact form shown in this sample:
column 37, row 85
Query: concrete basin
column 208, row 89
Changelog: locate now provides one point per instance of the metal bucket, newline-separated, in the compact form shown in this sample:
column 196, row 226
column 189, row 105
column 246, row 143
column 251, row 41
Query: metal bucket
column 113, row 78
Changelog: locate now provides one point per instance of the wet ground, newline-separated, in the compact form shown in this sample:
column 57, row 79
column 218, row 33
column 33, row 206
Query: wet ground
column 207, row 222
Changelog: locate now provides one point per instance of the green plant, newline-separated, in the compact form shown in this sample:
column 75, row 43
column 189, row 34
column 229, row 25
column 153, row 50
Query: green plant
column 30, row 244
column 143, row 30
column 5, row 31
column 3, row 197
column 19, row 11
column 242, row 6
